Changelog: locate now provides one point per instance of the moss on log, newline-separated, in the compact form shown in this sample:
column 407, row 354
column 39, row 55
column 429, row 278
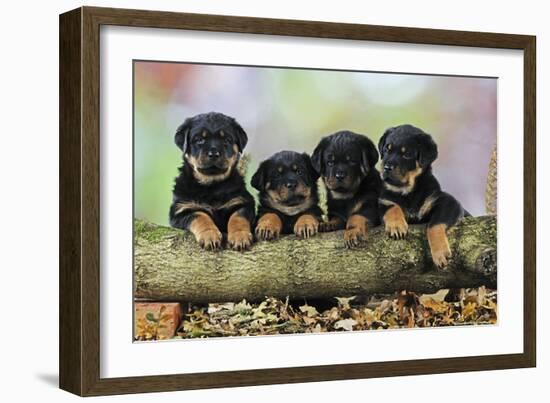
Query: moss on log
column 169, row 265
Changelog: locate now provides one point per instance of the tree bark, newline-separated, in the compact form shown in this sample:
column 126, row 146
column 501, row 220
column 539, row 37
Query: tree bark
column 169, row 265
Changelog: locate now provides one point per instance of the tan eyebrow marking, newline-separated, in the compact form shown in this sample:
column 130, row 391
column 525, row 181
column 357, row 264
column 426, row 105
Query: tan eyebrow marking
column 222, row 134
column 389, row 146
column 204, row 133
column 280, row 169
column 294, row 167
column 403, row 149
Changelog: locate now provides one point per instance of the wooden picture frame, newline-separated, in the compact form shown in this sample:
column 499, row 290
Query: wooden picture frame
column 80, row 199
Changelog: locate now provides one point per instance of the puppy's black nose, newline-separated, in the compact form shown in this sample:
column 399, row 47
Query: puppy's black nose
column 213, row 154
column 340, row 175
column 388, row 167
column 291, row 185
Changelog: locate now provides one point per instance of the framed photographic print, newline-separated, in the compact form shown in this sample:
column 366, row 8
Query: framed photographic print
column 250, row 201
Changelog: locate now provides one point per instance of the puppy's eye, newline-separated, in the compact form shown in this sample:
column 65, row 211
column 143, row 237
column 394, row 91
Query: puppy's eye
column 330, row 163
column 409, row 154
column 227, row 140
column 199, row 141
column 298, row 171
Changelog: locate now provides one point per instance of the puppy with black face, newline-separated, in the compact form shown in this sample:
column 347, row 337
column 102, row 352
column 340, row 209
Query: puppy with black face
column 209, row 195
column 411, row 193
column 288, row 196
column 346, row 162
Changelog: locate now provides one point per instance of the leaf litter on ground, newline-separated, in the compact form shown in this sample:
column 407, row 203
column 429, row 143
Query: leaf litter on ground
column 476, row 306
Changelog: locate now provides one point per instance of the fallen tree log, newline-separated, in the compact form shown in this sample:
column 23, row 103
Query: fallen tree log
column 169, row 265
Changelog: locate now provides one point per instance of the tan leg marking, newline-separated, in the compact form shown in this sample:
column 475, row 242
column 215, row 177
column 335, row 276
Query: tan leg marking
column 206, row 233
column 239, row 236
column 306, row 226
column 356, row 230
column 334, row 224
column 396, row 224
column 439, row 245
column 269, row 227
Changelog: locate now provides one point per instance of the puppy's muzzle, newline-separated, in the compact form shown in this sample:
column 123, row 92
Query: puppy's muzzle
column 388, row 168
column 212, row 162
column 392, row 174
column 291, row 193
column 388, row 172
column 213, row 154
column 340, row 176
column 291, row 185
column 341, row 181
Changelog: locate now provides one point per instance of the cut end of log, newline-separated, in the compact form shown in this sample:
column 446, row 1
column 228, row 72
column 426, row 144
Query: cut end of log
column 486, row 262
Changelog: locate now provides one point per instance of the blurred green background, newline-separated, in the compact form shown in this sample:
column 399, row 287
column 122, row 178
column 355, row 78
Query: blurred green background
column 293, row 108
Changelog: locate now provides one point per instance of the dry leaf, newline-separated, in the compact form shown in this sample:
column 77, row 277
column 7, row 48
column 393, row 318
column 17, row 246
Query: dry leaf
column 346, row 324
column 343, row 302
column 438, row 307
column 469, row 310
column 309, row 310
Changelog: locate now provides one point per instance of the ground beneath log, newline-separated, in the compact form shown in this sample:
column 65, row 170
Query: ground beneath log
column 272, row 316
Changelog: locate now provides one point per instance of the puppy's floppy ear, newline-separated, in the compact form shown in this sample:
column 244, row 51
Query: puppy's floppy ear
column 427, row 150
column 240, row 136
column 311, row 171
column 369, row 155
column 317, row 156
column 258, row 179
column 182, row 135
column 382, row 141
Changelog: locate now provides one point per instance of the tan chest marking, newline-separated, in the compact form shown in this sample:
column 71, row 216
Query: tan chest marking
column 191, row 205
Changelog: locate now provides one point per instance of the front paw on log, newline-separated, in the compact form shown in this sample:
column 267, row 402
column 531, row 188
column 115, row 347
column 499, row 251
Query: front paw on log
column 306, row 226
column 210, row 239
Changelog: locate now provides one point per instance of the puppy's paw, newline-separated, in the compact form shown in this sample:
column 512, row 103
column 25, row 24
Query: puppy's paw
column 239, row 240
column 210, row 239
column 354, row 236
column 440, row 256
column 334, row 224
column 356, row 230
column 306, row 226
column 395, row 223
column 397, row 229
column 439, row 245
column 267, row 232
column 268, row 228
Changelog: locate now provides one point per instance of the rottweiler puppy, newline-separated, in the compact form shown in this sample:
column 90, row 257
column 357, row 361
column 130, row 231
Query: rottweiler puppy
column 346, row 162
column 288, row 196
column 411, row 193
column 209, row 195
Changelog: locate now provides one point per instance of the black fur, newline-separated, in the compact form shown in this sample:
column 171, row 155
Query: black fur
column 292, row 173
column 405, row 149
column 212, row 122
column 346, row 161
column 211, row 145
